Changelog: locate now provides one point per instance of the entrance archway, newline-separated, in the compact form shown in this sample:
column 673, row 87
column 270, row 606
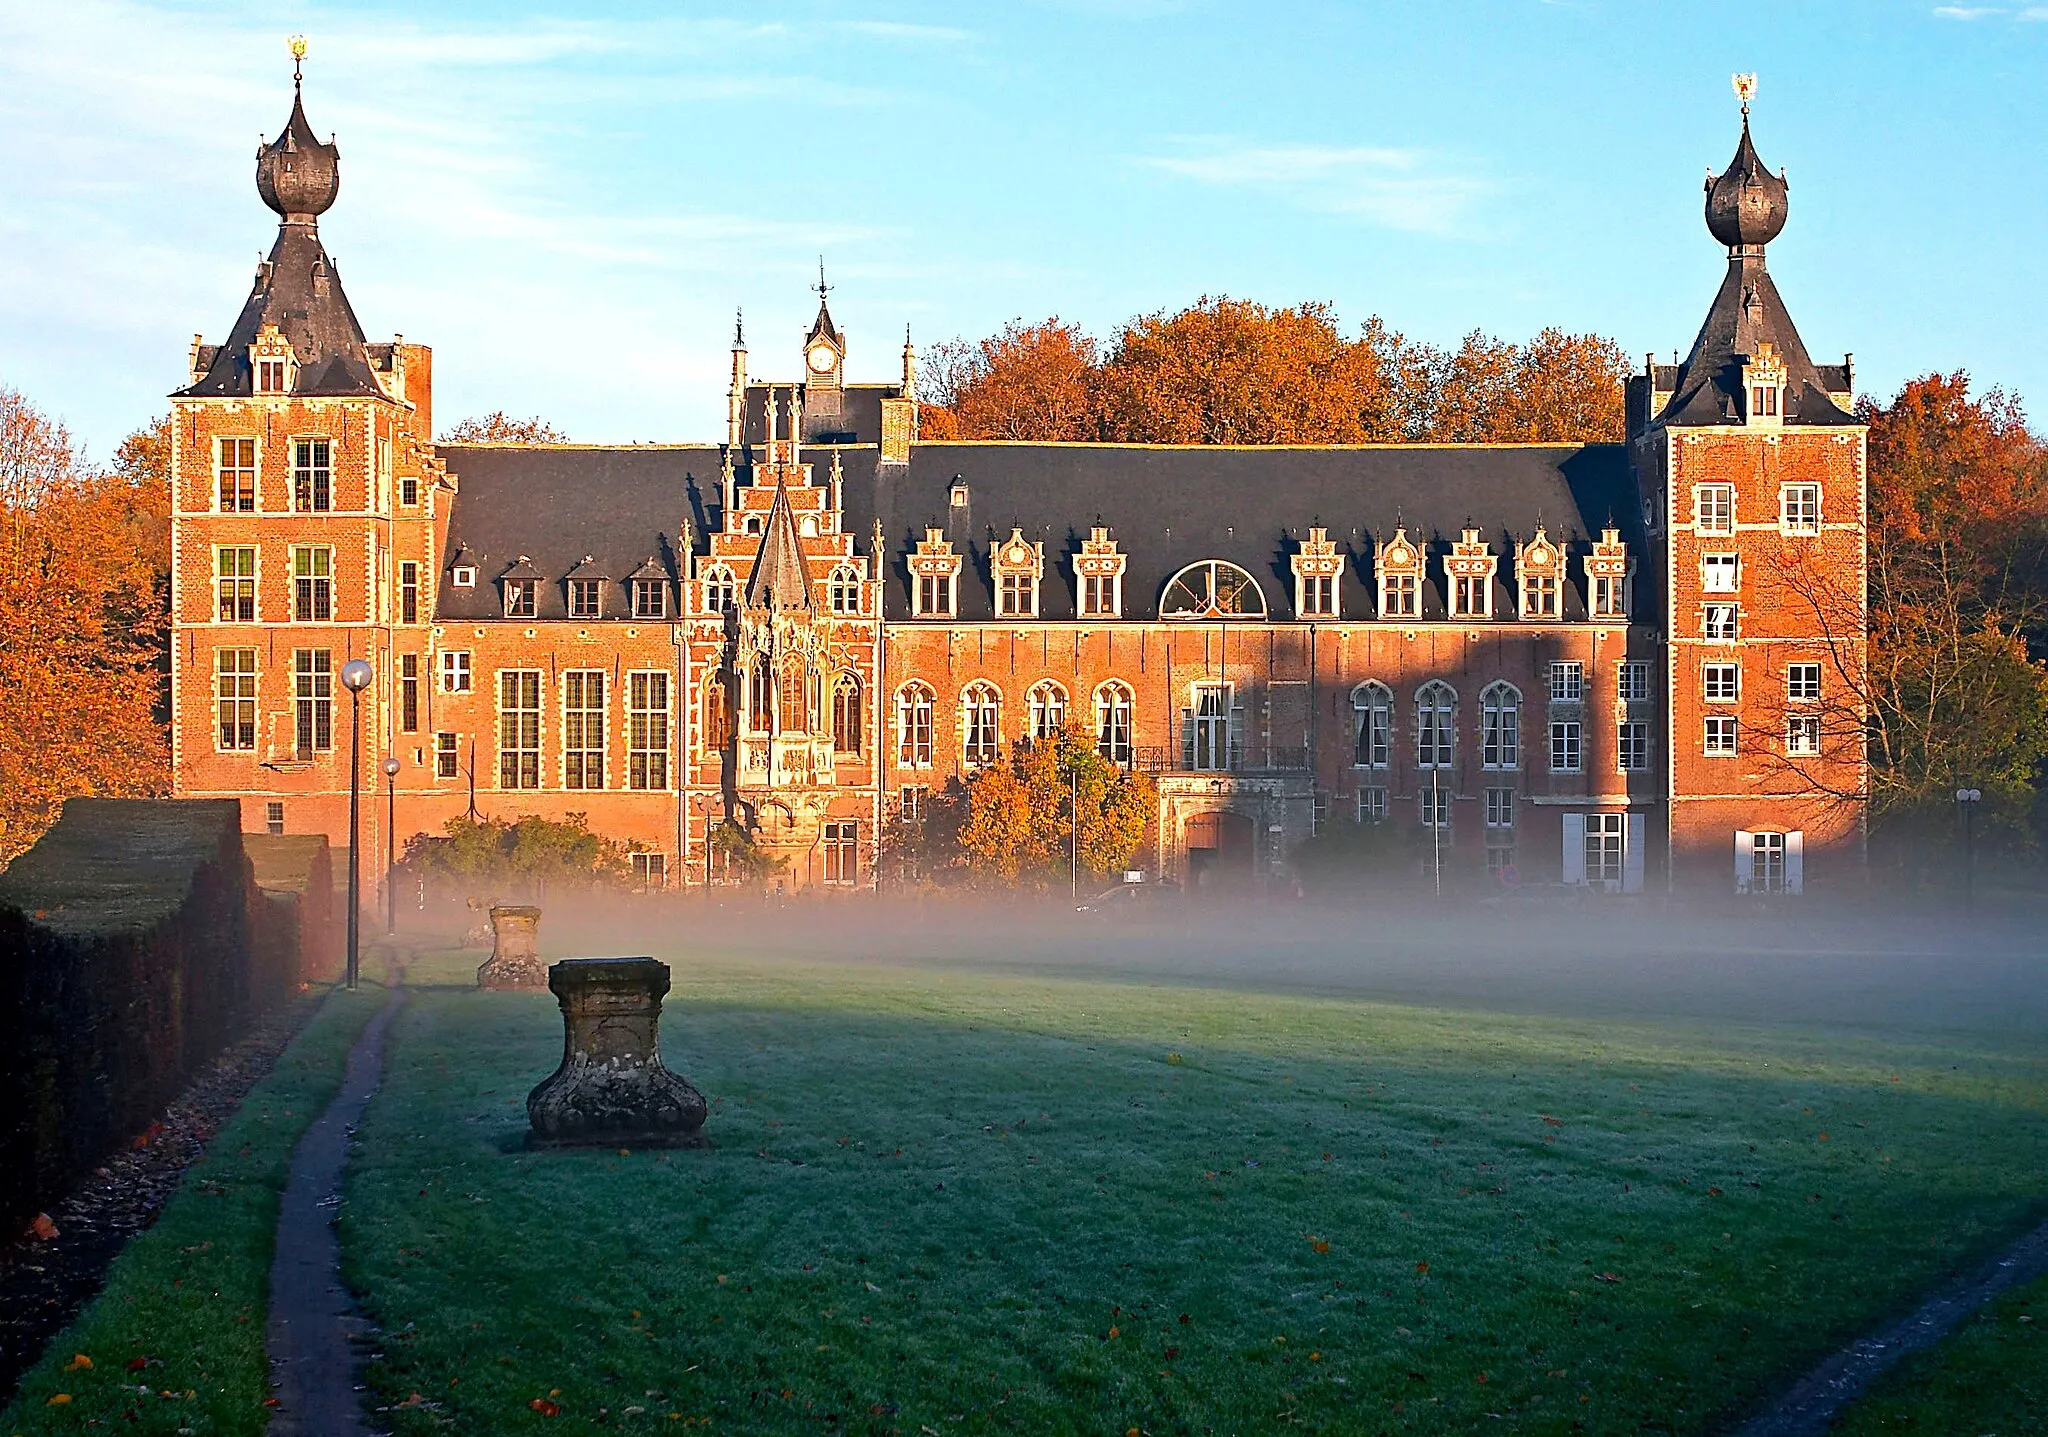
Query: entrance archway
column 1219, row 849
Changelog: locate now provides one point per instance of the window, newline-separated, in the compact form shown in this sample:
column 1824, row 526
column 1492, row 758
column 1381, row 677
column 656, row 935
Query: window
column 586, row 598
column 1099, row 595
column 520, row 597
column 650, row 599
column 1318, row 813
column 1802, row 683
column 313, row 700
column 235, row 466
column 913, row 726
column 1433, row 806
column 383, row 470
column 912, row 802
column 1567, row 681
column 235, row 583
column 718, row 589
column 1722, row 683
column 1015, row 599
column 1213, row 589
column 760, row 712
column 273, row 818
column 842, row 854
column 650, row 871
column 935, row 596
column 1719, row 573
column 409, row 693
column 843, row 590
column 1763, row 401
column 1046, row 711
column 312, row 477
column 1604, row 838
column 270, row 376
column 720, row 722
column 1372, row 805
column 1500, row 853
column 1767, row 863
column 519, row 728
column 1500, row 808
column 1208, row 741
column 958, row 496
column 408, row 592
column 455, row 671
column 409, row 491
column 447, row 761
column 647, row 706
column 1720, row 736
column 846, row 715
column 980, row 724
column 1799, row 508
column 463, row 576
column 1718, row 622
column 1435, row 725
column 312, row 585
column 235, row 687
column 1539, row 596
column 583, row 728
column 1400, row 596
column 1567, row 749
column 1609, row 597
column 1113, row 722
column 1372, row 719
column 1633, row 681
column 1802, row 735
column 1713, row 508
column 1500, row 727
column 1632, row 746
column 1319, row 596
column 1471, row 596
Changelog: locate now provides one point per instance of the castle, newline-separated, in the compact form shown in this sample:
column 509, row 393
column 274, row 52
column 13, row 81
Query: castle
column 1629, row 666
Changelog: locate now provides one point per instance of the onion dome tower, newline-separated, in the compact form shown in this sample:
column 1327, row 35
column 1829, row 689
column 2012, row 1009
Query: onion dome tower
column 1746, row 203
column 296, row 309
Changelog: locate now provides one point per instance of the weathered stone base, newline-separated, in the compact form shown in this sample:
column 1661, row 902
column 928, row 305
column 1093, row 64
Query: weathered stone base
column 611, row 1089
column 528, row 973
column 515, row 950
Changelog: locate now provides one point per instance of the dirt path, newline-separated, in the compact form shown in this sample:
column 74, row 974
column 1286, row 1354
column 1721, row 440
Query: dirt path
column 312, row 1319
column 1815, row 1400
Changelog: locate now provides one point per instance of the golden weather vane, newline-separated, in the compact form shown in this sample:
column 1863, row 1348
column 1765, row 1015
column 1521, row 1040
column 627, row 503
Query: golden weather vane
column 297, row 45
column 1745, row 89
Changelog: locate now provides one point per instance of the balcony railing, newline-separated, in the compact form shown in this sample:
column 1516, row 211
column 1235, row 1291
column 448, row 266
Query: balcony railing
column 1186, row 758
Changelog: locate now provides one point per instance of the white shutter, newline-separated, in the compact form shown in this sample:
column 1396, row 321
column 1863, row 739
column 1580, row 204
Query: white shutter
column 1795, row 862
column 1745, row 849
column 1632, row 855
column 1575, row 848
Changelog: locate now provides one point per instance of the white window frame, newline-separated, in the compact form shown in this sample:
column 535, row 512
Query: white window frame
column 1539, row 596
column 1436, row 725
column 1045, row 711
column 522, row 597
column 1720, row 573
column 447, row 755
column 720, row 591
column 916, row 707
column 1567, row 681
column 1632, row 682
column 1713, row 509
column 1632, row 746
column 1401, row 595
column 1721, row 736
column 981, row 724
column 586, row 598
column 234, row 690
column 840, row 841
column 1500, row 727
column 1372, row 717
column 1606, row 849
column 1371, row 803
column 650, row 697
column 312, row 474
column 1721, row 623
column 1802, row 683
column 222, row 468
column 1567, row 746
column 586, row 699
column 1210, row 736
column 455, row 671
column 650, row 869
column 938, row 595
column 842, row 590
column 1799, row 508
column 1500, row 808
column 236, row 590
column 1802, row 735
column 1115, row 719
column 1721, row 683
column 318, row 573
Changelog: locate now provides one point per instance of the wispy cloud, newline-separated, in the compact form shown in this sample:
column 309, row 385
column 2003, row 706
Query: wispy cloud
column 1393, row 188
column 1967, row 12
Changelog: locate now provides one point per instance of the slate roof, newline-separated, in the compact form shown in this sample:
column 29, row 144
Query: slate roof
column 1747, row 311
column 299, row 290
column 1167, row 507
column 780, row 579
column 859, row 420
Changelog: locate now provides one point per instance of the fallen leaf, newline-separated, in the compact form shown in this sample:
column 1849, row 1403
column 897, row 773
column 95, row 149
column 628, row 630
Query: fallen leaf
column 1114, row 1333
column 1320, row 1246
column 545, row 1407
column 42, row 1229
column 1422, row 1269
column 58, row 1400
column 136, row 1364
column 78, row 1361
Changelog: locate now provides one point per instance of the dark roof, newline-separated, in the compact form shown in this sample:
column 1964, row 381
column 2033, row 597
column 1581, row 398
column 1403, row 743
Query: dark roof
column 556, row 503
column 1166, row 506
column 856, row 418
column 1746, row 203
column 1748, row 311
column 299, row 290
column 780, row 578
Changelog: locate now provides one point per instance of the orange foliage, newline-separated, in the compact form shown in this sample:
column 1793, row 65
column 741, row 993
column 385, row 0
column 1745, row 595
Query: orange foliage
column 1558, row 388
column 1032, row 382
column 1944, row 465
column 83, row 588
column 498, row 427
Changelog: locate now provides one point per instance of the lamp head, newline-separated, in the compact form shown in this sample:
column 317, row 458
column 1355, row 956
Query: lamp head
column 356, row 675
column 391, row 768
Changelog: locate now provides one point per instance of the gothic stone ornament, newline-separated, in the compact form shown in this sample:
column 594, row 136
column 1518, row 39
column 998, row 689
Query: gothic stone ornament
column 515, row 950
column 611, row 1089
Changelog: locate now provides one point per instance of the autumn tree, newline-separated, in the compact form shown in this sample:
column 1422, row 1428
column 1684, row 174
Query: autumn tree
column 1031, row 382
column 1013, row 824
column 498, row 427
column 83, row 622
column 1558, row 388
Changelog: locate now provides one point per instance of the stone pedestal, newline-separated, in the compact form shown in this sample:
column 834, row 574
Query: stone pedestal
column 515, row 951
column 611, row 1090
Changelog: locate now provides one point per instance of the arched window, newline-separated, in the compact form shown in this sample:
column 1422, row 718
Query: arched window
column 717, row 726
column 914, row 726
column 981, row 711
column 1372, row 715
column 1436, row 721
column 760, row 697
column 1113, row 722
column 846, row 712
column 1048, row 711
column 753, row 523
column 718, row 588
column 843, row 589
column 794, row 691
column 1212, row 589
column 1500, row 727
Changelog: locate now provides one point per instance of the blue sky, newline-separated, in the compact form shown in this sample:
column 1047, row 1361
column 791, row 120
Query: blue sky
column 568, row 202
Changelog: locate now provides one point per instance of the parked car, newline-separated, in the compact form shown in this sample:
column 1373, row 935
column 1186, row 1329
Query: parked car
column 1130, row 900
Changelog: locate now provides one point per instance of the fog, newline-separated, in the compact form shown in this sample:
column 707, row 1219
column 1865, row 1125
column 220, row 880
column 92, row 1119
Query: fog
column 1925, row 973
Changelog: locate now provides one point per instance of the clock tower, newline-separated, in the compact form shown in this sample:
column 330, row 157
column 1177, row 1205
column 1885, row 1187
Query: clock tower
column 824, row 357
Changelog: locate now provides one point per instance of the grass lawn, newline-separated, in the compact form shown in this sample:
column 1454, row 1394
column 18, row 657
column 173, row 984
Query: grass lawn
column 1989, row 1379
column 953, row 1202
column 186, row 1300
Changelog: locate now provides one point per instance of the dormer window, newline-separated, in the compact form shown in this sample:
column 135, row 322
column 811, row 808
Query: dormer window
column 1764, row 378
column 718, row 589
column 650, row 598
column 1018, row 564
column 1399, row 563
column 270, row 362
column 1471, row 567
column 270, row 376
column 586, row 598
column 958, row 498
column 934, row 577
column 1608, row 570
column 1317, row 565
column 463, row 576
column 1540, row 564
column 1099, row 570
column 520, row 596
column 842, row 590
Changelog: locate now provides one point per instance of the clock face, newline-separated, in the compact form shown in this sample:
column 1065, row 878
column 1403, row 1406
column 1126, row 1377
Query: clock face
column 821, row 358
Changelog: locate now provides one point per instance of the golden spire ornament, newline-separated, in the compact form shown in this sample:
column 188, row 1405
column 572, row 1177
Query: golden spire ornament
column 1745, row 89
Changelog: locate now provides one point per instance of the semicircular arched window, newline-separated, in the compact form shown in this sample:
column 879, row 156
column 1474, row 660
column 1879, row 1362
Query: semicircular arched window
column 1213, row 589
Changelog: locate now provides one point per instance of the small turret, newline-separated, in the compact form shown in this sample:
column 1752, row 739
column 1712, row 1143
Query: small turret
column 1746, row 203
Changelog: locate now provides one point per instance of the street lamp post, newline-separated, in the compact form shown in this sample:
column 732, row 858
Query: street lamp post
column 355, row 677
column 1967, row 800
column 390, row 846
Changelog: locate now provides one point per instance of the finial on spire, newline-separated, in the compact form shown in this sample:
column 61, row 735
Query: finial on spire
column 297, row 45
column 739, row 328
column 822, row 287
column 1745, row 89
